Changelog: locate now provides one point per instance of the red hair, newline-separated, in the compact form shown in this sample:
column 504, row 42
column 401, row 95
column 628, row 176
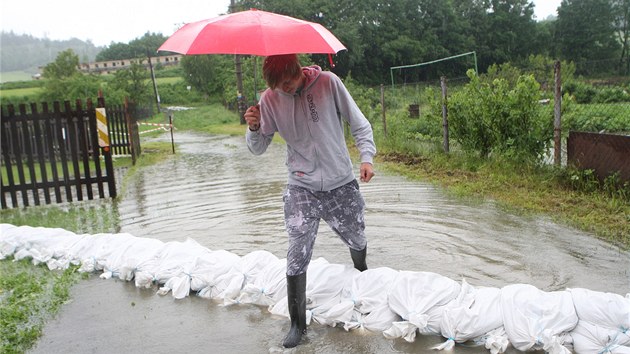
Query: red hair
column 277, row 68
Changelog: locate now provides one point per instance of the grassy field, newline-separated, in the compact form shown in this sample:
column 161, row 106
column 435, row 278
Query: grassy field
column 11, row 76
column 19, row 93
column 169, row 80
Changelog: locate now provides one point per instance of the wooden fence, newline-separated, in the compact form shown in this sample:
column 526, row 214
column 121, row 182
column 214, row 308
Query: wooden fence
column 605, row 154
column 122, row 125
column 53, row 155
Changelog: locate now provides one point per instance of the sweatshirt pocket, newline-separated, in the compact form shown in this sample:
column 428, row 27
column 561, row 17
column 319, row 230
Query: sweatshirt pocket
column 300, row 165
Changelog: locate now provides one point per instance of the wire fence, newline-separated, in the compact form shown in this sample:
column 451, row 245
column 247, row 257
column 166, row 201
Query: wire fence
column 406, row 112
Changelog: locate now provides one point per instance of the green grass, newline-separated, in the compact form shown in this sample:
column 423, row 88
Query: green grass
column 609, row 117
column 169, row 80
column 19, row 92
column 28, row 295
column 212, row 119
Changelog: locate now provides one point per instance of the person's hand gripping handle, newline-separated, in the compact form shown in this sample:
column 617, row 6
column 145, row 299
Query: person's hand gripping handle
column 252, row 117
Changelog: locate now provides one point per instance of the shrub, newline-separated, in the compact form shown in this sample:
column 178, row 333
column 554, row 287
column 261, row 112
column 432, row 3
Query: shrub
column 499, row 117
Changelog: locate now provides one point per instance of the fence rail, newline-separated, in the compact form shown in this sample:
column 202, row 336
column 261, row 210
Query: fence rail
column 53, row 155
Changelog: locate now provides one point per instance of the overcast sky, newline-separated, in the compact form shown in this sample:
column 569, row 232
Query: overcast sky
column 124, row 20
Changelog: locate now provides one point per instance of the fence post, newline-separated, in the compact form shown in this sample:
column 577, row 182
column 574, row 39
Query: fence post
column 383, row 110
column 170, row 123
column 109, row 164
column 130, row 136
column 444, row 113
column 557, row 125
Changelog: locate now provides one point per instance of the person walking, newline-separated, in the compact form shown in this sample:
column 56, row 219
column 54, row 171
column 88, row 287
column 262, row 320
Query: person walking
column 308, row 107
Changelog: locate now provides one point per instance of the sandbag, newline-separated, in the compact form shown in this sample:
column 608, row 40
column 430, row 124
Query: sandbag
column 419, row 299
column 474, row 313
column 368, row 299
column 604, row 322
column 268, row 287
column 535, row 319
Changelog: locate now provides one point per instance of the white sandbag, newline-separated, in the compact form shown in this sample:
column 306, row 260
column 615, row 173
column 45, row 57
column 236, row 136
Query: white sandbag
column 472, row 314
column 228, row 282
column 228, row 286
column 419, row 299
column 175, row 261
column 268, row 287
column 368, row 298
column 40, row 244
column 600, row 308
column 208, row 271
column 535, row 319
column 378, row 320
column 202, row 273
column 145, row 270
column 369, row 288
column 590, row 338
column 124, row 262
column 93, row 251
column 604, row 322
column 325, row 283
column 496, row 341
column 9, row 240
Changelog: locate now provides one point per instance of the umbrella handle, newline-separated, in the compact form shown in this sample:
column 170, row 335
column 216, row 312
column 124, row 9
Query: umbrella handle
column 330, row 60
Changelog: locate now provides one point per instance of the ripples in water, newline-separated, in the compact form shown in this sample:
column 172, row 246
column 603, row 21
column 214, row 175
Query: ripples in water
column 219, row 194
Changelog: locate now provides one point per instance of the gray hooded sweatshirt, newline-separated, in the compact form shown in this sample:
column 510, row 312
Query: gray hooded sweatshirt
column 311, row 124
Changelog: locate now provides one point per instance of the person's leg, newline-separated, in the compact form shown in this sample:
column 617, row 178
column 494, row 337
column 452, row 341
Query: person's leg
column 343, row 211
column 301, row 215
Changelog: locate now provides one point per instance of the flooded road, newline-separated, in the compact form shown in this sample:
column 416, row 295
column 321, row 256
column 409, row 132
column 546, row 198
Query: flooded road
column 223, row 197
column 215, row 192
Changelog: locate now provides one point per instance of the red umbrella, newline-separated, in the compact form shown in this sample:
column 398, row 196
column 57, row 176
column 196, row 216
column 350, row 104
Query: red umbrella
column 252, row 32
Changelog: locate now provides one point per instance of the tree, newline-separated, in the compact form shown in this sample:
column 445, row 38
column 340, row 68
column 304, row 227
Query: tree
column 65, row 66
column 621, row 9
column 208, row 73
column 508, row 32
column 64, row 81
column 134, row 83
column 137, row 48
column 585, row 34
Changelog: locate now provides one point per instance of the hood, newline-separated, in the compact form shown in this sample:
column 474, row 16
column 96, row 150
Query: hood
column 312, row 73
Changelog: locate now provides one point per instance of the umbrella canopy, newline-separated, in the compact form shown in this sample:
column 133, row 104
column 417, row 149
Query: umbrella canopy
column 252, row 32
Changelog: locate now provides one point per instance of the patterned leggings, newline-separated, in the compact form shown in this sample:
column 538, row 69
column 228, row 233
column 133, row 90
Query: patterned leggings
column 342, row 209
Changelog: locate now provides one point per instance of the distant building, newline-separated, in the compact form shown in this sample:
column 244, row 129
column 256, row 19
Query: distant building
column 111, row 66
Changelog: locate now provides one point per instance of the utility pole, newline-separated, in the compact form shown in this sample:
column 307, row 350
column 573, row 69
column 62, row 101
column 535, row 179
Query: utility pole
column 240, row 96
column 241, row 102
column 155, row 89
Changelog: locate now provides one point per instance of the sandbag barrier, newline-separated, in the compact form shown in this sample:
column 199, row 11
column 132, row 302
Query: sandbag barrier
column 399, row 304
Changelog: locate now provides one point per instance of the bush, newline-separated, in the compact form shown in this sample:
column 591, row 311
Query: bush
column 581, row 91
column 497, row 117
column 611, row 95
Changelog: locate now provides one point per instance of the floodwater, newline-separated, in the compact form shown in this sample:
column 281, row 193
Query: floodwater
column 223, row 197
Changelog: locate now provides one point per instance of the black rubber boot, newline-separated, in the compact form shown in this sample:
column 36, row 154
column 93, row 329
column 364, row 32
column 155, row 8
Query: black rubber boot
column 358, row 258
column 296, row 294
